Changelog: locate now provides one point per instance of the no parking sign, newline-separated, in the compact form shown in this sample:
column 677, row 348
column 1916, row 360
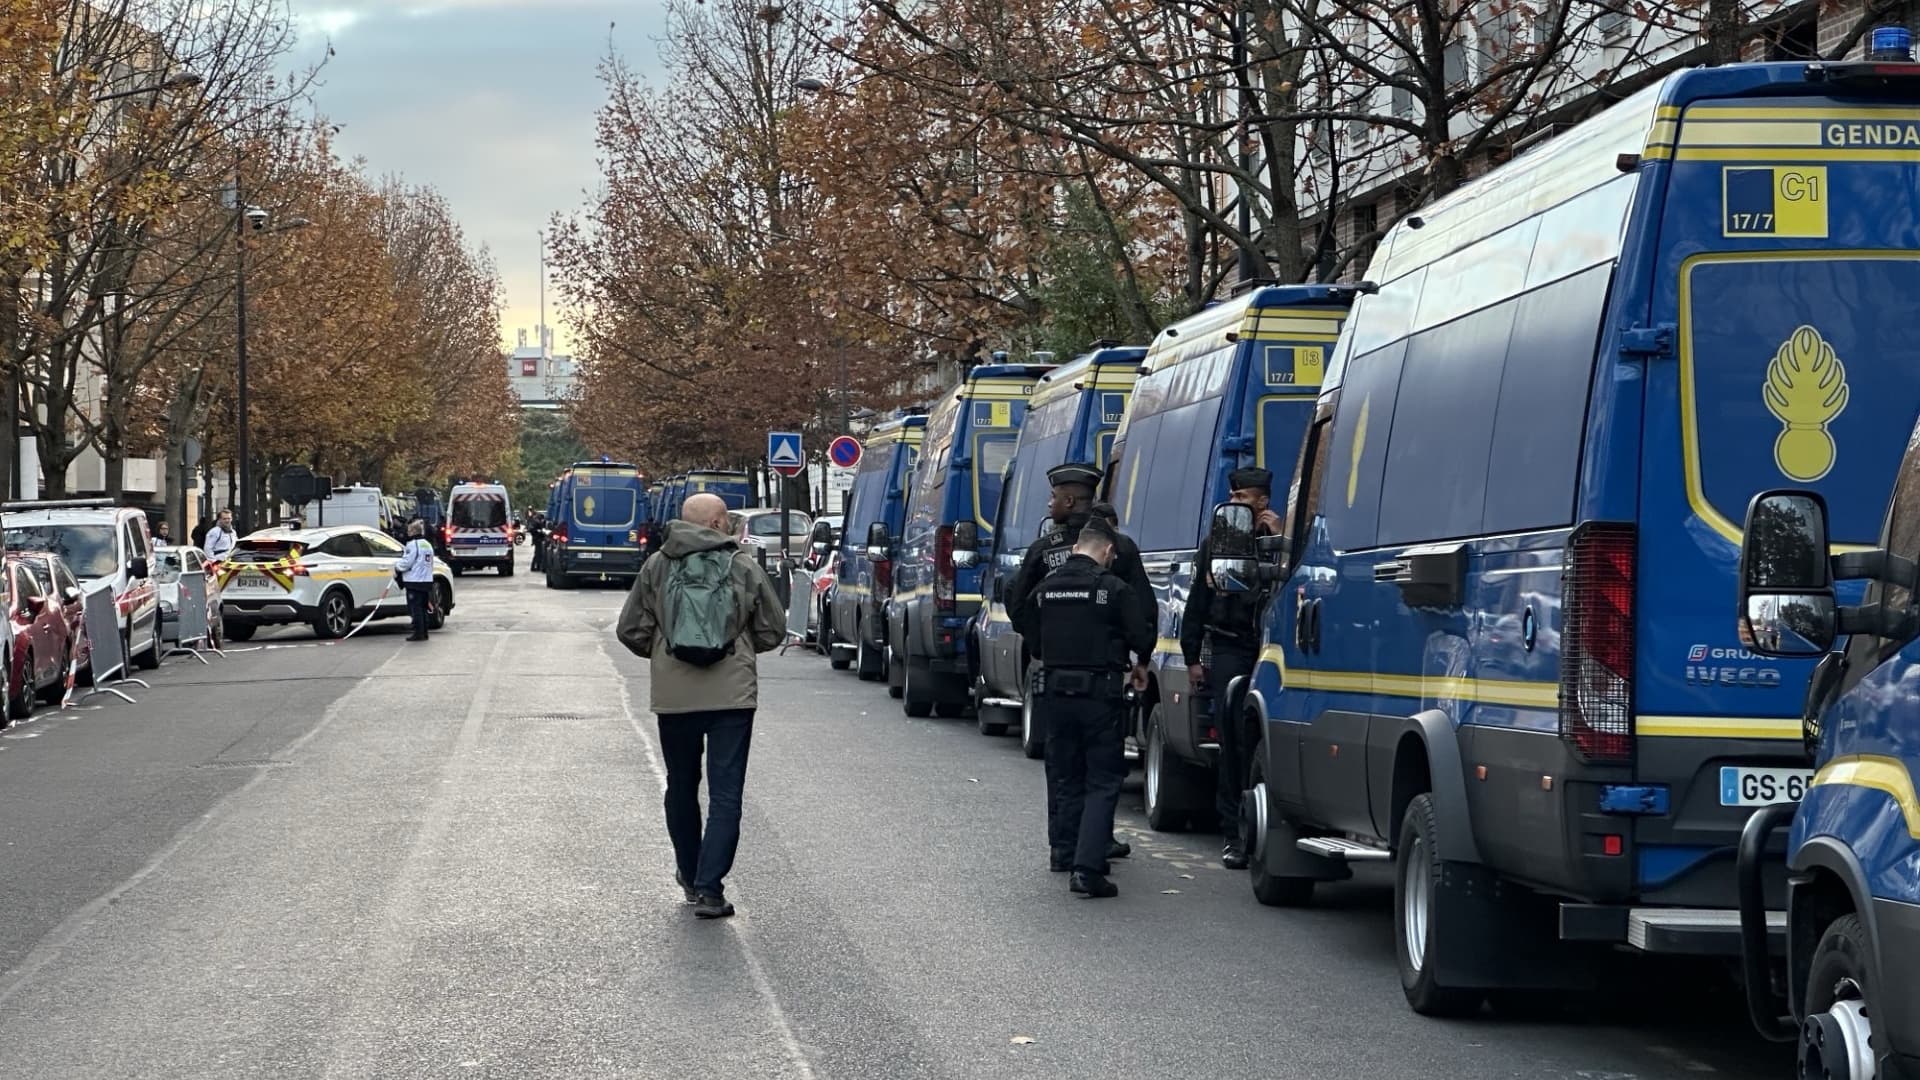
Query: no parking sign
column 844, row 451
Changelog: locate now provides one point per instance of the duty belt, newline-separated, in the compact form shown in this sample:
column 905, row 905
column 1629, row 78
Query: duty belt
column 1079, row 682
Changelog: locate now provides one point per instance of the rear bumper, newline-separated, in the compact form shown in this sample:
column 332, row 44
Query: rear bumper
column 1668, row 931
column 266, row 612
column 599, row 562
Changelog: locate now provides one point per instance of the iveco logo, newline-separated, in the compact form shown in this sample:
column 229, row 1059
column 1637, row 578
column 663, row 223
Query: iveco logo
column 1702, row 652
column 1756, row 678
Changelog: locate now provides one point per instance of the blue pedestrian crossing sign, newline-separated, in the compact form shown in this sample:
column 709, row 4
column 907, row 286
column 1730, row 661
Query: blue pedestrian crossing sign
column 784, row 453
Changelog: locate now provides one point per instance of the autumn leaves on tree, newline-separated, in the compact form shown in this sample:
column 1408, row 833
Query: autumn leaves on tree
column 133, row 126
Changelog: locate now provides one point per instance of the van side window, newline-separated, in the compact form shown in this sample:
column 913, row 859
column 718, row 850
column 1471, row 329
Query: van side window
column 1436, row 475
column 1903, row 538
column 130, row 538
column 1309, row 482
column 1178, row 490
column 1361, row 424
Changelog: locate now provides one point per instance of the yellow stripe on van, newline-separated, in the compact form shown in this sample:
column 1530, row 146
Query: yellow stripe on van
column 1882, row 774
column 1706, row 132
column 1716, row 727
column 1796, row 155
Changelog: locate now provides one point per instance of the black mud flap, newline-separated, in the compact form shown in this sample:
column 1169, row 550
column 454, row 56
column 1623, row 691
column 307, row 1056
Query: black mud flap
column 1500, row 936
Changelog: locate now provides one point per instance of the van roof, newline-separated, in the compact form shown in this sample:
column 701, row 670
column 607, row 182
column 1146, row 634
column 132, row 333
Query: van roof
column 1310, row 313
column 1071, row 377
column 69, row 515
column 1007, row 371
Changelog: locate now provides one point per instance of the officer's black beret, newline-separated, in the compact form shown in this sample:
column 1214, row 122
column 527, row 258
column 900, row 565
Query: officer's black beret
column 1074, row 472
column 1097, row 526
column 1250, row 480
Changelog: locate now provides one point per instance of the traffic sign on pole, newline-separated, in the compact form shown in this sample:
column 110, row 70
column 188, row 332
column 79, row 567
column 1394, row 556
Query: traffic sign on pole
column 784, row 454
column 844, row 451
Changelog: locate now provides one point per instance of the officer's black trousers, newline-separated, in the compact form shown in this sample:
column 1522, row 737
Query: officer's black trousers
column 1086, row 764
column 1229, row 663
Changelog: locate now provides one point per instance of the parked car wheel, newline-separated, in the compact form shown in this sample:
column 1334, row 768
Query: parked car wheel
column 442, row 603
column 56, row 692
column 149, row 657
column 20, row 691
column 335, row 617
column 240, row 631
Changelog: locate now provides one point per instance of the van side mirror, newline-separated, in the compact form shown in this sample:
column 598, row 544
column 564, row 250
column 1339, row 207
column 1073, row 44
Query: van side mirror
column 966, row 544
column 1232, row 554
column 1787, row 605
column 879, row 541
column 72, row 594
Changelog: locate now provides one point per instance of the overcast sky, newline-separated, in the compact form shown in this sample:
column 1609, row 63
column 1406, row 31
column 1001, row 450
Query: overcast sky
column 490, row 101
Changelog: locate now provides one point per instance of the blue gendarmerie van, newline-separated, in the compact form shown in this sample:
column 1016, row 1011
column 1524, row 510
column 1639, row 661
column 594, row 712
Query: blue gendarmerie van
column 856, row 615
column 1072, row 416
column 1500, row 654
column 956, row 488
column 1230, row 387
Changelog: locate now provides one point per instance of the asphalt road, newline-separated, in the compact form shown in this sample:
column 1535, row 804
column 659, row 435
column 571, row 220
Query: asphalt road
column 377, row 859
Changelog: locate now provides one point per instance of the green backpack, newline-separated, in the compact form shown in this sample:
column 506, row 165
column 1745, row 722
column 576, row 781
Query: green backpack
column 699, row 608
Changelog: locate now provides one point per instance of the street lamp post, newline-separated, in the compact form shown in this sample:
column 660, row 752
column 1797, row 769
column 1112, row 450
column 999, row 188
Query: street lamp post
column 245, row 216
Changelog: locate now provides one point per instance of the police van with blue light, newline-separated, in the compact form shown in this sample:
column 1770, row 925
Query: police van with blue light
column 596, row 513
column 1228, row 388
column 956, row 488
column 1498, row 657
column 855, row 628
column 1073, row 415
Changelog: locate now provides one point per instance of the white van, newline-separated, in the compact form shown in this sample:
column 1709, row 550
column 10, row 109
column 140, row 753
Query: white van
column 479, row 529
column 356, row 504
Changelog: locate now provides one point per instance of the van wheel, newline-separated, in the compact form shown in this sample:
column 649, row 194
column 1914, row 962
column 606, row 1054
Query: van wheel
column 837, row 658
column 1171, row 792
column 869, row 663
column 991, row 719
column 916, row 695
column 1837, row 1038
column 506, row 568
column 149, row 659
column 1417, row 918
column 1033, row 734
column 896, row 674
column 1269, row 888
column 335, row 616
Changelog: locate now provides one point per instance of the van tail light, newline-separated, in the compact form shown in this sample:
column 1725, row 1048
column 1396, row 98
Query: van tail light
column 1596, row 643
column 943, row 568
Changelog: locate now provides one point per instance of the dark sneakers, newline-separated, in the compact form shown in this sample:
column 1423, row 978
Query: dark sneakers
column 1233, row 856
column 1119, row 850
column 1093, row 886
column 712, row 906
column 686, row 889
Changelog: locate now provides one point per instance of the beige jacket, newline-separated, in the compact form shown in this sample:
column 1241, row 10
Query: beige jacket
column 760, row 625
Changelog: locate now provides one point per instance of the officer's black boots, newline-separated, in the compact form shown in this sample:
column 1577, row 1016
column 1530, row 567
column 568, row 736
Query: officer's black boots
column 1233, row 856
column 1119, row 850
column 1093, row 886
column 1060, row 861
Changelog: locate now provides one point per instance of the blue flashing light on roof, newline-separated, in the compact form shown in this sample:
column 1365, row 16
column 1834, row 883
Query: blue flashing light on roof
column 1890, row 43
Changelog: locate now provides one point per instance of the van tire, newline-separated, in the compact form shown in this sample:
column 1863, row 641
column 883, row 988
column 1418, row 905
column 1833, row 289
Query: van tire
column 1172, row 796
column 150, row 658
column 506, row 568
column 896, row 674
column 916, row 691
column 1271, row 889
column 870, row 663
column 837, row 659
column 1033, row 733
column 1418, row 890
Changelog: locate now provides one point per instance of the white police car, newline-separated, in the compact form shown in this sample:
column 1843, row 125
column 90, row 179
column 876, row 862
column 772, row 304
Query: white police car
column 329, row 578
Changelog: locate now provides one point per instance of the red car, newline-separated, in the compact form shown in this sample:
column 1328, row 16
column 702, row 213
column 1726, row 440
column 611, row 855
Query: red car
column 56, row 577
column 40, row 643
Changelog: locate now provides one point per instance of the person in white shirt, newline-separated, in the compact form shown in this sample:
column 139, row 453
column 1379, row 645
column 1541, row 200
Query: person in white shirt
column 222, row 537
column 415, row 571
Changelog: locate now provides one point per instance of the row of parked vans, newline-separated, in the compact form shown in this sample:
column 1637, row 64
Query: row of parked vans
column 603, row 519
column 1505, row 647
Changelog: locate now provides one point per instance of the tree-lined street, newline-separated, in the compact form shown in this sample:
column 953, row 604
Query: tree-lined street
column 368, row 859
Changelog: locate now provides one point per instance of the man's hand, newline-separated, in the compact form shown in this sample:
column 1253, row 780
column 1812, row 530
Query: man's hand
column 1196, row 675
column 1268, row 522
column 1139, row 677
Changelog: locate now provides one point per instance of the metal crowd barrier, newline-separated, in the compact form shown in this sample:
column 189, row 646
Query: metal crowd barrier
column 106, row 650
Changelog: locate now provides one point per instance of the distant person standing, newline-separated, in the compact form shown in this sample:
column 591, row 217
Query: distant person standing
column 222, row 537
column 699, row 615
column 162, row 533
column 415, row 571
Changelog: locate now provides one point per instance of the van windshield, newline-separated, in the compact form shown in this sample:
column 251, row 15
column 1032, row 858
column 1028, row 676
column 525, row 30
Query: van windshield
column 990, row 458
column 479, row 512
column 88, row 549
column 607, row 508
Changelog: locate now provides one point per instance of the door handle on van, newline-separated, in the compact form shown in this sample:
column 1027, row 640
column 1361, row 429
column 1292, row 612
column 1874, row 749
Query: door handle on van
column 1432, row 576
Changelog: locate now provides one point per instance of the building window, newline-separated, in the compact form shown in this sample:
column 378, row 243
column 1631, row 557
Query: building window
column 1615, row 22
column 1402, row 97
column 1453, row 62
column 1357, row 131
column 530, row 368
column 1797, row 41
column 1366, row 222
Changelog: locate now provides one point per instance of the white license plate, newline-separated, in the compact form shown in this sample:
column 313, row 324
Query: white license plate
column 248, row 579
column 475, row 551
column 1762, row 787
column 587, row 554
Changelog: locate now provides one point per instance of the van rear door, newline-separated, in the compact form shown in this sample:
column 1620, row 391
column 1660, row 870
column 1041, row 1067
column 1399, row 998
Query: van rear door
column 1789, row 275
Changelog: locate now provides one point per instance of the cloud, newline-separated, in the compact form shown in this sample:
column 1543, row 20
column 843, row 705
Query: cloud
column 327, row 22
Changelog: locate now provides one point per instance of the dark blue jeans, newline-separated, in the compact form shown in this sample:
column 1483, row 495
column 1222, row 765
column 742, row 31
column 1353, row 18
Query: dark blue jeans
column 723, row 735
column 418, row 602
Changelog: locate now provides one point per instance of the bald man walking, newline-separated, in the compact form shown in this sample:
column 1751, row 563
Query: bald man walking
column 700, row 614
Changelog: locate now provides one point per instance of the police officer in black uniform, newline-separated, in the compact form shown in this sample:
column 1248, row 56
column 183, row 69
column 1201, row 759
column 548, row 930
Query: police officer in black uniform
column 1090, row 629
column 1073, row 484
column 1228, row 626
